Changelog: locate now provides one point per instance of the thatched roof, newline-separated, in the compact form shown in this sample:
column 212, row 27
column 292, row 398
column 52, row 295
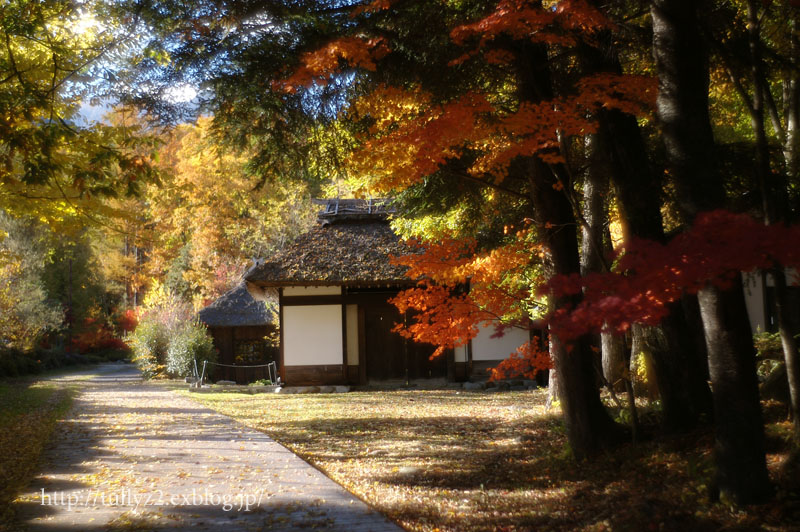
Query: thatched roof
column 237, row 308
column 339, row 210
column 351, row 253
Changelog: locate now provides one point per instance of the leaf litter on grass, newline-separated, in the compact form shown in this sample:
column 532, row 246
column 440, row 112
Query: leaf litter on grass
column 444, row 460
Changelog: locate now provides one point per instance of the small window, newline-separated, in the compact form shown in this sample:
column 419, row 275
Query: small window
column 250, row 351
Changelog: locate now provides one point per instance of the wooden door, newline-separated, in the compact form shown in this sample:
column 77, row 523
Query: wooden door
column 389, row 356
column 385, row 350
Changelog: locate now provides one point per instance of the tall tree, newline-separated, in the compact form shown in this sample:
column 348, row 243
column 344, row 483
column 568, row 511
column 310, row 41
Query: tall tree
column 680, row 369
column 682, row 64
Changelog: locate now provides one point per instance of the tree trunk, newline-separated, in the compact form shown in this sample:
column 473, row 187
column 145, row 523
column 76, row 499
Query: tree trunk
column 789, row 345
column 647, row 386
column 589, row 426
column 741, row 463
column 682, row 67
column 791, row 104
column 614, row 359
column 684, row 392
column 595, row 248
column 553, row 388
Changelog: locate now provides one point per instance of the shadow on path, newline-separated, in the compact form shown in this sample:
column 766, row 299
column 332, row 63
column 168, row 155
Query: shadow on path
column 134, row 455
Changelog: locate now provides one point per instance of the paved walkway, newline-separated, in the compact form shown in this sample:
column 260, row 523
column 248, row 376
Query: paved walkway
column 135, row 456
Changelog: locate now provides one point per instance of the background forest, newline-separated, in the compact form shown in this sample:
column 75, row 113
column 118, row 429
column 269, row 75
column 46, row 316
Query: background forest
column 598, row 169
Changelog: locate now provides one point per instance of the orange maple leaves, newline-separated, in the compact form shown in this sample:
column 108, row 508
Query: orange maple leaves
column 563, row 23
column 460, row 289
column 402, row 148
column 528, row 360
column 316, row 66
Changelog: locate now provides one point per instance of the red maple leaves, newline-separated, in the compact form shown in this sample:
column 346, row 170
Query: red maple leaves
column 648, row 276
column 505, row 285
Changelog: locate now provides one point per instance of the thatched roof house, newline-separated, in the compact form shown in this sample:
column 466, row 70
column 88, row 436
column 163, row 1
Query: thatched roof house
column 333, row 285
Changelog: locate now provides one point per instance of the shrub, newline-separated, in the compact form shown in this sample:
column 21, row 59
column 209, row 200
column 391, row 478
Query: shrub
column 17, row 363
column 770, row 352
column 768, row 345
column 189, row 343
column 149, row 342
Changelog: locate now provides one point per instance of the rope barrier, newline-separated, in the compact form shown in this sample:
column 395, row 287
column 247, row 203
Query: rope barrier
column 238, row 366
column 272, row 370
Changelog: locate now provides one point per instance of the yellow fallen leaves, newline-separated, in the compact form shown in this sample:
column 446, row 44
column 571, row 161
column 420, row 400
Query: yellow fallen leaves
column 448, row 461
column 28, row 414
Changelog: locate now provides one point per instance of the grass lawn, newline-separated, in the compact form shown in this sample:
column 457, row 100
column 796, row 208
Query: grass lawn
column 449, row 460
column 29, row 410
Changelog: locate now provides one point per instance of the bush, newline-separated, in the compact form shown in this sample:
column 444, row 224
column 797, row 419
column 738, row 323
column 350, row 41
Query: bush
column 17, row 363
column 149, row 342
column 189, row 343
column 768, row 345
column 770, row 352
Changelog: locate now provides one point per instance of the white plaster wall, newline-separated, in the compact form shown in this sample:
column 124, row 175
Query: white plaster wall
column 754, row 298
column 792, row 277
column 754, row 295
column 352, row 335
column 460, row 354
column 484, row 347
column 312, row 290
column 312, row 335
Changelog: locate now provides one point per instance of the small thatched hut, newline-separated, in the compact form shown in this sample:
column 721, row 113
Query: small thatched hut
column 333, row 285
column 240, row 326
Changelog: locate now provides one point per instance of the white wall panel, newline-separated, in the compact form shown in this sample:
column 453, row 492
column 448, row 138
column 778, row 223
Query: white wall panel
column 484, row 347
column 312, row 335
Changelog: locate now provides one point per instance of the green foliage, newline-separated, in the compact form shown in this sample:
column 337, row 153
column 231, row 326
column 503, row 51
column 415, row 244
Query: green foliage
column 768, row 345
column 167, row 339
column 27, row 314
column 71, row 276
column 53, row 166
column 174, row 280
column 189, row 343
column 149, row 343
column 261, row 382
column 17, row 363
column 769, row 350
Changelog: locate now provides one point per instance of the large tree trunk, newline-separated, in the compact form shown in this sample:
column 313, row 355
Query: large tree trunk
column 589, row 426
column 680, row 368
column 741, row 464
column 789, row 345
column 682, row 67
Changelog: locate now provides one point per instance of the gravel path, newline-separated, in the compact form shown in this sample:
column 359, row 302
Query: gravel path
column 133, row 455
